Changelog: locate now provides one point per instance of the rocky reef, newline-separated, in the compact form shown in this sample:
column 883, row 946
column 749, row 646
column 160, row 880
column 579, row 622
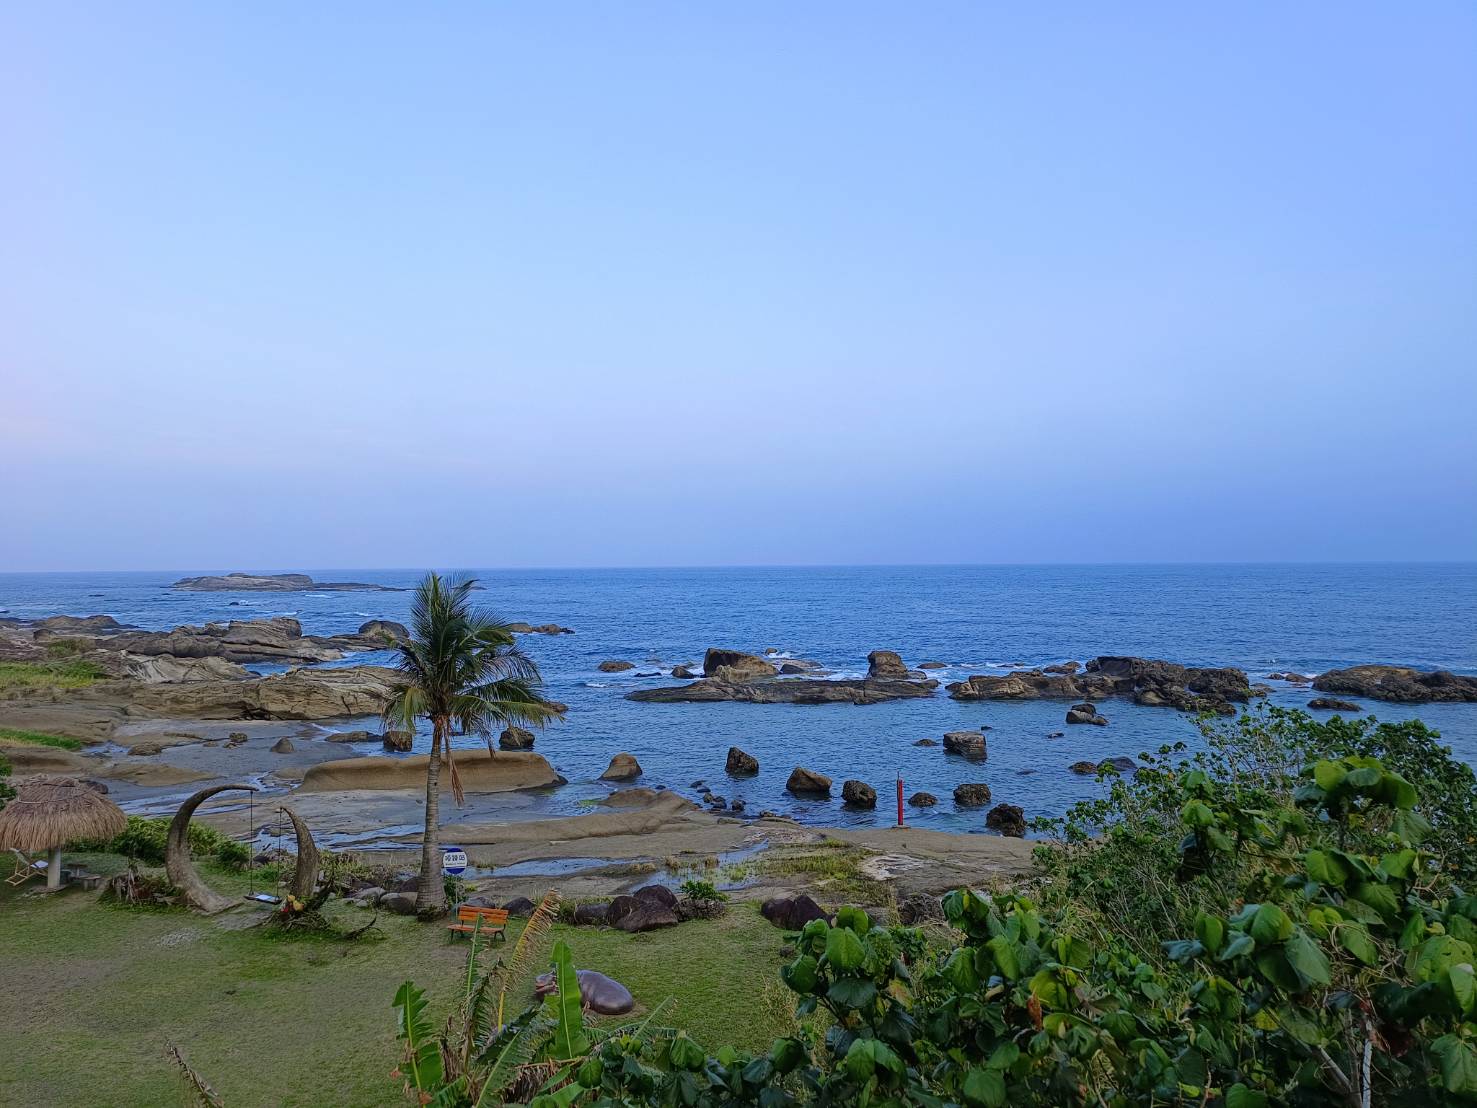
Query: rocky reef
column 735, row 675
column 273, row 582
column 1400, row 684
column 1147, row 681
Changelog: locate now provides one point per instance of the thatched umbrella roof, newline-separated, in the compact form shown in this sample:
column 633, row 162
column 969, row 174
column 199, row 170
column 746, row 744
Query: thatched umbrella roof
column 49, row 812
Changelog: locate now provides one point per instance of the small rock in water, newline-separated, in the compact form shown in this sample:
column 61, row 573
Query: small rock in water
column 923, row 800
column 1008, row 819
column 1085, row 713
column 858, row 794
column 740, row 763
column 515, row 738
column 926, row 742
column 615, row 665
column 804, row 782
column 398, row 741
column 283, row 746
column 969, row 744
column 623, row 767
column 972, row 794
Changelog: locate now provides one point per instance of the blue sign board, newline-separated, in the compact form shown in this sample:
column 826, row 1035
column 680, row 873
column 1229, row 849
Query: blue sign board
column 453, row 860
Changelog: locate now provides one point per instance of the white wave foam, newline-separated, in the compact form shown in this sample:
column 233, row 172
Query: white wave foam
column 597, row 685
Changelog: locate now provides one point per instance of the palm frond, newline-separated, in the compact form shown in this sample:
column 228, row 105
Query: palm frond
column 515, row 967
column 200, row 1094
column 510, row 1050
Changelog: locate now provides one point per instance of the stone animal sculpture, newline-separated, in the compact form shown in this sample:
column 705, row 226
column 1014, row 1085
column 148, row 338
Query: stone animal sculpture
column 600, row 994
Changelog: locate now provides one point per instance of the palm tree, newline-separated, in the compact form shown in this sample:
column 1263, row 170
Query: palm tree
column 463, row 671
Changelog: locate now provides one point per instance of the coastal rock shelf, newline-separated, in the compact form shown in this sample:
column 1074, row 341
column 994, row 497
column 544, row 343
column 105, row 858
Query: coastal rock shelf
column 782, row 690
column 1399, row 684
column 1147, row 681
column 274, row 582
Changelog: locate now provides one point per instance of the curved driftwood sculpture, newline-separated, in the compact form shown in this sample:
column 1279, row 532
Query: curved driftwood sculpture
column 177, row 855
column 305, row 876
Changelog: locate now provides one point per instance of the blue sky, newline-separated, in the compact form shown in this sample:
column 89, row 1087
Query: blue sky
column 654, row 284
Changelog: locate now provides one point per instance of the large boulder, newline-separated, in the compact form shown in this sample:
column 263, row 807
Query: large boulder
column 1399, row 684
column 858, row 794
column 623, row 767
column 401, row 904
column 619, row 908
column 791, row 912
column 1008, row 819
column 284, row 745
column 972, row 794
column 886, row 665
column 78, row 623
column 967, row 744
column 804, row 782
column 647, row 916
column 515, row 738
column 740, row 763
column 734, row 666
column 1085, row 713
column 656, row 894
column 590, row 914
column 296, row 694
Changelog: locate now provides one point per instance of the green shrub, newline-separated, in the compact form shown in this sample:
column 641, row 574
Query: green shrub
column 701, row 890
column 38, row 738
column 144, row 839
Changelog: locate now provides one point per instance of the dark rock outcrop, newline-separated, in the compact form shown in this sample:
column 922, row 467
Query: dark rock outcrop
column 520, row 907
column 740, row 763
column 933, row 665
column 1148, row 681
column 926, row 742
column 400, row 742
column 923, row 800
column 591, row 914
column 735, row 666
column 683, row 673
column 858, row 794
column 515, row 738
column 972, row 794
column 656, row 894
column 615, row 665
column 1085, row 713
column 1398, row 684
column 1333, row 704
column 886, row 665
column 284, row 745
column 1008, row 819
column 1062, row 667
column 648, row 916
column 804, row 782
column 788, row 691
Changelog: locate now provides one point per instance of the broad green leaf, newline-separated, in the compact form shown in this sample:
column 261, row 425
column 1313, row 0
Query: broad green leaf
column 1210, row 930
column 1329, row 775
column 1270, row 925
column 844, row 951
column 1304, row 956
column 1241, row 943
column 1239, row 1096
column 1005, row 957
column 1379, row 897
column 1353, row 938
column 984, row 1087
column 1325, row 868
column 852, row 992
column 1463, row 988
column 1050, row 990
column 1398, row 863
column 1458, row 1065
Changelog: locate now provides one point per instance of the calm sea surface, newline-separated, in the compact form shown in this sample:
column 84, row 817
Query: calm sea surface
column 1262, row 618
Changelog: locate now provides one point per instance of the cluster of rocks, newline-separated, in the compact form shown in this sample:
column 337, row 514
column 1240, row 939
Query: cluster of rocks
column 1399, row 684
column 539, row 629
column 1122, row 763
column 736, row 676
column 1333, row 704
column 1146, row 681
column 278, row 640
column 647, row 909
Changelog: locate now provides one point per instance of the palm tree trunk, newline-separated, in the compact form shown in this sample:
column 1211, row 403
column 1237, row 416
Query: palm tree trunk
column 430, row 892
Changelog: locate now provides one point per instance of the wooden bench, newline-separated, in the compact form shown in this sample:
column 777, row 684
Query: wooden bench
column 492, row 922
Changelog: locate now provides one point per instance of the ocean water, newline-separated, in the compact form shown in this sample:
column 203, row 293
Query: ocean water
column 977, row 619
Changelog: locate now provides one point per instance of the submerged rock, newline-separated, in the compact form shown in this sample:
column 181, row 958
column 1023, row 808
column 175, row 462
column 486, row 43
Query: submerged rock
column 804, row 782
column 968, row 744
column 515, row 738
column 615, row 665
column 1333, row 704
column 1085, row 713
column 740, row 763
column 1008, row 819
column 973, row 794
column 858, row 794
column 926, row 742
column 623, row 767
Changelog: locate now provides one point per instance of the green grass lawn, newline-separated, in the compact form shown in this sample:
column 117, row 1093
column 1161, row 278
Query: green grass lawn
column 94, row 992
column 23, row 677
column 38, row 738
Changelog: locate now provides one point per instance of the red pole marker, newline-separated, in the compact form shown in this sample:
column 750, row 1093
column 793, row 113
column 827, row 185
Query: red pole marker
column 900, row 800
